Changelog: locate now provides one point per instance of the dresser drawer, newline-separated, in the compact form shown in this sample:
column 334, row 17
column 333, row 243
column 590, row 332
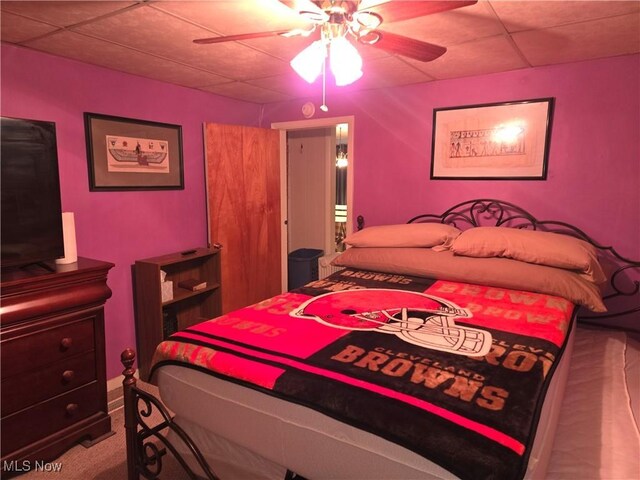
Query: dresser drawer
column 45, row 418
column 21, row 391
column 24, row 353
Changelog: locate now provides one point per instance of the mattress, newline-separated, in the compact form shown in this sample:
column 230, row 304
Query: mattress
column 247, row 434
column 598, row 433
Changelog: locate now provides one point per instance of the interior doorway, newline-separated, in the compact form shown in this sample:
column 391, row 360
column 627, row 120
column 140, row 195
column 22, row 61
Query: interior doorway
column 309, row 189
column 316, row 185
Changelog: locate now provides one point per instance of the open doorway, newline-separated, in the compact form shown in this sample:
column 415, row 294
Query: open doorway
column 309, row 189
column 341, row 205
column 316, row 185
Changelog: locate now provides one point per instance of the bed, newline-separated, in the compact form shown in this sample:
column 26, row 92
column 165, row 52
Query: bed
column 441, row 349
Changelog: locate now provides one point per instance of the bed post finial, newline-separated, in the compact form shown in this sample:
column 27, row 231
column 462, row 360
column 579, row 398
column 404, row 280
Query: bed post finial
column 127, row 357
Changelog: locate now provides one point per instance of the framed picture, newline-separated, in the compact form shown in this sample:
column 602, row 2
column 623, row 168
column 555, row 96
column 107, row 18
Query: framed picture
column 497, row 141
column 130, row 154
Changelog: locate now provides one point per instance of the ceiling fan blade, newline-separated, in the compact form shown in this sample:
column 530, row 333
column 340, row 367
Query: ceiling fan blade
column 243, row 36
column 395, row 11
column 408, row 47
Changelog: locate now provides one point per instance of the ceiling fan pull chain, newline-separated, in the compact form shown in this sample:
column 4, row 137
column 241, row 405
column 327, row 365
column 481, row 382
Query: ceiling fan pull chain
column 324, row 107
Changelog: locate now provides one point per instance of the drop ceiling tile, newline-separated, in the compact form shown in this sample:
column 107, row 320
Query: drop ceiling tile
column 283, row 48
column 183, row 75
column 581, row 41
column 450, row 28
column 153, row 31
column 487, row 55
column 284, row 83
column 63, row 13
column 289, row 84
column 16, row 29
column 246, row 92
column 388, row 72
column 237, row 16
column 518, row 15
column 109, row 55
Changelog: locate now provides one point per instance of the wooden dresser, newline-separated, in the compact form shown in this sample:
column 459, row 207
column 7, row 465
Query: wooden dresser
column 53, row 371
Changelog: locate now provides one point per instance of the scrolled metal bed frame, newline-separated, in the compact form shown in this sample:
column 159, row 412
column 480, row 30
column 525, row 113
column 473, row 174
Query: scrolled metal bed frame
column 144, row 456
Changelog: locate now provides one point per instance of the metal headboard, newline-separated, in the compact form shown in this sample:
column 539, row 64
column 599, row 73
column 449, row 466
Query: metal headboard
column 624, row 277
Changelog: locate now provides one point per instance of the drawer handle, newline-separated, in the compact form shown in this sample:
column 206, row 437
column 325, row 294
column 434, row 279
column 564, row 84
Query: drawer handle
column 67, row 376
column 66, row 343
column 72, row 409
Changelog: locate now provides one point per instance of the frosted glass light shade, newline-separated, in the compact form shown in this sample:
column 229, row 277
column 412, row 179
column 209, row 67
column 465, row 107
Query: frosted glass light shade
column 346, row 63
column 308, row 63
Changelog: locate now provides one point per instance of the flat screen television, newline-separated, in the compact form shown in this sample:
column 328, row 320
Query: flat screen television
column 31, row 223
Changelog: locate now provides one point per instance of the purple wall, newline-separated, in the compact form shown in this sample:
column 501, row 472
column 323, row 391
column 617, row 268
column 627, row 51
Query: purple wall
column 119, row 227
column 594, row 160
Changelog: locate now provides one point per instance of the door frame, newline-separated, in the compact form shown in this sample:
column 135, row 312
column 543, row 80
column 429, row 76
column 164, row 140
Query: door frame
column 284, row 127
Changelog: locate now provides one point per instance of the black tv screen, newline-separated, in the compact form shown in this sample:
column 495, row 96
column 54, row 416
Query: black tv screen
column 31, row 209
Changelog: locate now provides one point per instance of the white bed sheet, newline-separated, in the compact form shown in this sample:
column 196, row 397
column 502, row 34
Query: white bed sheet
column 248, row 434
column 598, row 433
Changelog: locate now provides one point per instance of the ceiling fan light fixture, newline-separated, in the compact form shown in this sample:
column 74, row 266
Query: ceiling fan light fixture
column 314, row 17
column 308, row 63
column 346, row 63
column 298, row 32
column 367, row 20
column 369, row 37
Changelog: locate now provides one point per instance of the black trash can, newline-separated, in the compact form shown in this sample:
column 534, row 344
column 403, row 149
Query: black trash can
column 303, row 266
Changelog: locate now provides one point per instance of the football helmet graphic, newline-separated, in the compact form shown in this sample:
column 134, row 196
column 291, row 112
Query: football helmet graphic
column 416, row 318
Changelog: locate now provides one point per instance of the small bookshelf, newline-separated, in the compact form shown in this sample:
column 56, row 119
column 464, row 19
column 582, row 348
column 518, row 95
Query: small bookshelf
column 157, row 317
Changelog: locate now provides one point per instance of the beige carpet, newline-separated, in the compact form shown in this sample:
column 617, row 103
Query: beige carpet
column 106, row 460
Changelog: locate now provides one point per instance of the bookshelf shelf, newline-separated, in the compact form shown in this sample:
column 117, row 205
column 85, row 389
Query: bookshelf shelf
column 157, row 319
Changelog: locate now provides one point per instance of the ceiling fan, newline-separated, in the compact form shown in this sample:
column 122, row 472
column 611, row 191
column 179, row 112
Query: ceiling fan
column 339, row 21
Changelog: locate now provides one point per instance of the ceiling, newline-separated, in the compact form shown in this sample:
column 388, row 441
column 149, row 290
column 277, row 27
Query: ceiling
column 153, row 39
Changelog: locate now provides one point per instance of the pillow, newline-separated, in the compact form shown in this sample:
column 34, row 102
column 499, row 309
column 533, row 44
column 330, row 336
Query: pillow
column 495, row 272
column 543, row 248
column 405, row 235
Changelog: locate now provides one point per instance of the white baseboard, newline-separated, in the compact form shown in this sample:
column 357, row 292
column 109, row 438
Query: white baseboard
column 114, row 392
column 116, row 382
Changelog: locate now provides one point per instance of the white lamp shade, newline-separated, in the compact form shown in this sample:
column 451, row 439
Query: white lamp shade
column 308, row 63
column 346, row 63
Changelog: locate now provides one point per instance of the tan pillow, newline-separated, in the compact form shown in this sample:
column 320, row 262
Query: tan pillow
column 405, row 235
column 543, row 248
column 495, row 272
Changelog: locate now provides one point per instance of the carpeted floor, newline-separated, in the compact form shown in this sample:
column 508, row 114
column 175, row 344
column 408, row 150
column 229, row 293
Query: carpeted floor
column 106, row 460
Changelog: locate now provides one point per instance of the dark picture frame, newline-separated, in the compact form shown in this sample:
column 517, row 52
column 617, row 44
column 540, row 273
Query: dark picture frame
column 492, row 141
column 132, row 154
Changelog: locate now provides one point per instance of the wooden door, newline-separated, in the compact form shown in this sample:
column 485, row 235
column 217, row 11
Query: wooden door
column 243, row 203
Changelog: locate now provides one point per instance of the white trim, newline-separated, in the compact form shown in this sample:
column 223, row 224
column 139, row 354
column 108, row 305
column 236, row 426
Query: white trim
column 329, row 189
column 206, row 185
column 284, row 232
column 301, row 125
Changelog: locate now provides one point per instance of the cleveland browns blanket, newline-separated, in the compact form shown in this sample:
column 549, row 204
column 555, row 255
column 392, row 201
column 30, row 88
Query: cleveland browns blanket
column 454, row 372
